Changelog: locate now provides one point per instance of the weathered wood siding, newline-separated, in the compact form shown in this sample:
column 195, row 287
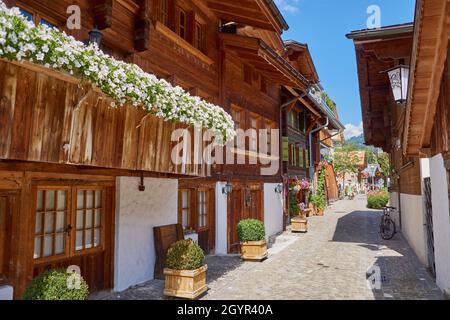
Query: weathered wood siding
column 45, row 119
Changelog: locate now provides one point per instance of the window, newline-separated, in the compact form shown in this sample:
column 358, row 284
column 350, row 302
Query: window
column 254, row 137
column 88, row 219
column 237, row 118
column 182, row 23
column 36, row 17
column 293, row 155
column 163, row 14
column 199, row 36
column 293, row 119
column 202, row 206
column 184, row 209
column 301, row 157
column 51, row 221
column 302, row 121
column 307, row 158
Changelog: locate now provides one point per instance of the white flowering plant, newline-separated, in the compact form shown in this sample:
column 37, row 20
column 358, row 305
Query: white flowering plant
column 125, row 83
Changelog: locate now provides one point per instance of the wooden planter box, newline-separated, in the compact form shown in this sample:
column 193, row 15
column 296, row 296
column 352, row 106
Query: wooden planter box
column 189, row 284
column 254, row 250
column 299, row 224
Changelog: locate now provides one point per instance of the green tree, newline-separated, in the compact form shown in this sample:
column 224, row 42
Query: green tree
column 345, row 161
column 385, row 163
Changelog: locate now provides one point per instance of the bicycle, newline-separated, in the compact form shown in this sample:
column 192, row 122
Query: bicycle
column 387, row 225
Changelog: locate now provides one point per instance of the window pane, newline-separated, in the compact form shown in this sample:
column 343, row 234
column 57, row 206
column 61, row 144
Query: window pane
column 38, row 227
column 37, row 247
column 47, row 23
column 98, row 199
column 184, row 196
column 59, row 243
column 89, row 218
column 185, row 218
column 50, row 200
column 62, row 200
column 49, row 222
column 40, row 201
column 88, row 239
column 97, row 237
column 80, row 199
column 80, row 216
column 79, row 241
column 48, row 245
column 60, row 221
column 89, row 199
column 98, row 218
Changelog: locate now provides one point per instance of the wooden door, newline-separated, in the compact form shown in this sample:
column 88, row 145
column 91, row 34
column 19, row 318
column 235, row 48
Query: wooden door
column 74, row 227
column 245, row 202
column 6, row 211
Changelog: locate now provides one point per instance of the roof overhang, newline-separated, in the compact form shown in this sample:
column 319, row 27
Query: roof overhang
column 258, row 54
column 378, row 50
column 430, row 52
column 300, row 52
column 263, row 14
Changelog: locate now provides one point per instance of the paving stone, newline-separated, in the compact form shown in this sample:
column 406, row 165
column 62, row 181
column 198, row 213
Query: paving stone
column 328, row 262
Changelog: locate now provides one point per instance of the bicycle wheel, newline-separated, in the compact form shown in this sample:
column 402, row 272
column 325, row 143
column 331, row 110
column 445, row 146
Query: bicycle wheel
column 387, row 229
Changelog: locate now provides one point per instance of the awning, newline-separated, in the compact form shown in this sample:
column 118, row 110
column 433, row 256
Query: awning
column 257, row 53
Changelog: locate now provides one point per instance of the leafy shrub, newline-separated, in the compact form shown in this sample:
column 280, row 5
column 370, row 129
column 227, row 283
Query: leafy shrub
column 251, row 230
column 294, row 209
column 377, row 199
column 318, row 201
column 185, row 255
column 53, row 285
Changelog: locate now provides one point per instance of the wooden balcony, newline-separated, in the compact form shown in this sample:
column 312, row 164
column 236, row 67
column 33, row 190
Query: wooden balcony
column 50, row 117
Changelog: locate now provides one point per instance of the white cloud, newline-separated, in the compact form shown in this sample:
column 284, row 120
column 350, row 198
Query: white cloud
column 287, row 6
column 353, row 131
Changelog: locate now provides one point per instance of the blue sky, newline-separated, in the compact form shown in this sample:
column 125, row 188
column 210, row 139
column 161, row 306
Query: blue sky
column 322, row 24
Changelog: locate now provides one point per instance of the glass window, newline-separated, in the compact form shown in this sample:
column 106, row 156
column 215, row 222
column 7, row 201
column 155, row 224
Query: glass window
column 237, row 118
column 199, row 36
column 50, row 223
column 254, row 138
column 164, row 11
column 181, row 23
column 269, row 137
column 302, row 121
column 202, row 209
column 89, row 219
column 185, row 208
column 27, row 14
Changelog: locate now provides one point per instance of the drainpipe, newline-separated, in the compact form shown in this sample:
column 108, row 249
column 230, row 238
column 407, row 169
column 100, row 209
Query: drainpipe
column 311, row 164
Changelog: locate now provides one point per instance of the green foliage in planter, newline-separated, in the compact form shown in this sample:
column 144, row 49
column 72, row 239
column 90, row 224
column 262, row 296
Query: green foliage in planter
column 251, row 230
column 185, row 255
column 55, row 285
column 319, row 198
column 377, row 199
column 294, row 209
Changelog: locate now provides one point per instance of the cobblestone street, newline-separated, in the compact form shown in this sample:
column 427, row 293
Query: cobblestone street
column 329, row 262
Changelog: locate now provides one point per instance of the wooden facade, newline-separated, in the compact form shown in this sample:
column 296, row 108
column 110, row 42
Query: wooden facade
column 63, row 145
column 384, row 120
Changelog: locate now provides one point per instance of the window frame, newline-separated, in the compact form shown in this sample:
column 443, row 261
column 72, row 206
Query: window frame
column 181, row 27
column 254, row 139
column 181, row 208
column 206, row 214
column 199, row 36
column 38, row 16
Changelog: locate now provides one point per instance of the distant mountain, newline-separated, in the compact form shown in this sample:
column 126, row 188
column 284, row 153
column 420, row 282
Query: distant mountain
column 359, row 141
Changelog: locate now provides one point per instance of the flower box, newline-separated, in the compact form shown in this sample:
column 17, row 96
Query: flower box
column 299, row 224
column 188, row 284
column 254, row 250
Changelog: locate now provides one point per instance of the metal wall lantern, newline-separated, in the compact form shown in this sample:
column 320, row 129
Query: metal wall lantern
column 399, row 78
column 95, row 36
column 227, row 189
column 279, row 188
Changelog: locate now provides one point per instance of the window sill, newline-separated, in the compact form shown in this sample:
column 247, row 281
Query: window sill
column 253, row 154
column 160, row 27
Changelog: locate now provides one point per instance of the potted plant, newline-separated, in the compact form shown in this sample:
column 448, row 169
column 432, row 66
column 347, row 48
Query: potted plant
column 252, row 236
column 185, row 272
column 300, row 223
column 57, row 285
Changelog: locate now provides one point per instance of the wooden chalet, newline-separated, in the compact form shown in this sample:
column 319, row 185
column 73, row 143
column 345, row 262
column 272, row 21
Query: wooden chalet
column 415, row 132
column 84, row 184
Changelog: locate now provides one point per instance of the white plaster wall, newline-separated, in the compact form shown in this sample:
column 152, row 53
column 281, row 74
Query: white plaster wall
column 221, row 220
column 413, row 229
column 6, row 293
column 136, row 215
column 441, row 221
column 273, row 210
column 393, row 201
